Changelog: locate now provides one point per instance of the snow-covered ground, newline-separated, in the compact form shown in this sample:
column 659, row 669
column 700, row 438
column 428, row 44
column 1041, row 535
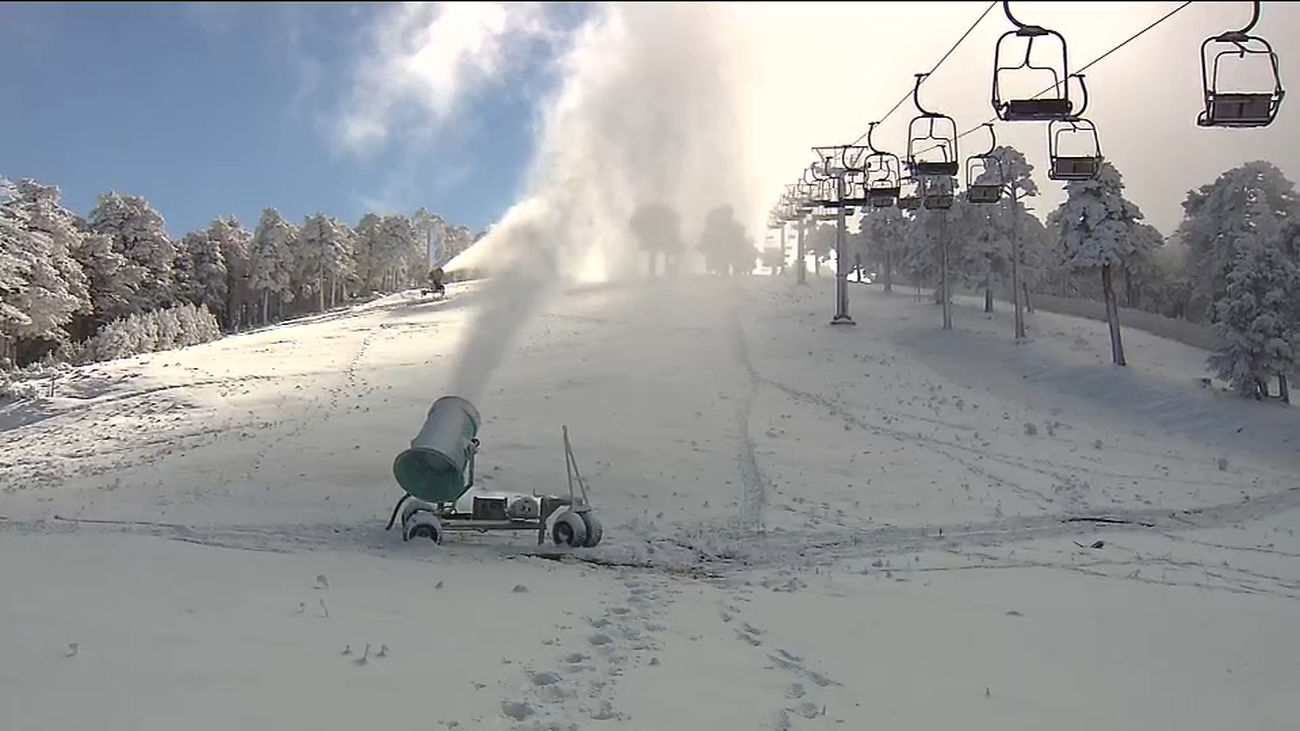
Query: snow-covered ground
column 879, row 526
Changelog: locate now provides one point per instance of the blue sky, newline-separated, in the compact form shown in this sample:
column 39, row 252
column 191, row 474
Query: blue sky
column 223, row 109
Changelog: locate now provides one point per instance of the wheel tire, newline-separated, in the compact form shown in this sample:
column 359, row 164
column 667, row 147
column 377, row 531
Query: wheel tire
column 569, row 530
column 594, row 530
column 423, row 525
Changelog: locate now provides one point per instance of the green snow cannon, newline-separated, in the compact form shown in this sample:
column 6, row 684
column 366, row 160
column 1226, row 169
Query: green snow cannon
column 439, row 466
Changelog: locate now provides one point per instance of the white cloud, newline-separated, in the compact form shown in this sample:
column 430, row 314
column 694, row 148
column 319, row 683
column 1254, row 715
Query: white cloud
column 433, row 57
column 216, row 18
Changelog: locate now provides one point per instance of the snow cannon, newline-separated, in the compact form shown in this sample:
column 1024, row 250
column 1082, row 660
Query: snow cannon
column 439, row 466
column 437, row 475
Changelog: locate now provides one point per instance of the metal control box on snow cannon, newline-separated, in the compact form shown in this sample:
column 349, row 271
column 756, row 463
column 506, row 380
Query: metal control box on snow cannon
column 437, row 475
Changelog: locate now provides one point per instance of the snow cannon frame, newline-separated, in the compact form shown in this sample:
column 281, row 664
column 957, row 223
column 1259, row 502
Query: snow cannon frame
column 565, row 520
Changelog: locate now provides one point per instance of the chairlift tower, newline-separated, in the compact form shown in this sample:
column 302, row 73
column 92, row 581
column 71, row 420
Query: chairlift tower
column 837, row 169
column 801, row 207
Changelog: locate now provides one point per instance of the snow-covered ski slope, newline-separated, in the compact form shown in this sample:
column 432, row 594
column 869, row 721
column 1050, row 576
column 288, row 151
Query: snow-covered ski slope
column 807, row 527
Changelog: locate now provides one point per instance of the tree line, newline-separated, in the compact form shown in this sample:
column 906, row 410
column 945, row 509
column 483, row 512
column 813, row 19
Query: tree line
column 114, row 282
column 1233, row 262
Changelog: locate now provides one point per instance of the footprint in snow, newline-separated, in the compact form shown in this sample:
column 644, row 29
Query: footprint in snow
column 807, row 709
column 544, row 677
column 518, row 710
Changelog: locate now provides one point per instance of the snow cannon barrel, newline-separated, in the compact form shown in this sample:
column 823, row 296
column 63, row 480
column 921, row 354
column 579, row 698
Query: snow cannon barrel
column 439, row 466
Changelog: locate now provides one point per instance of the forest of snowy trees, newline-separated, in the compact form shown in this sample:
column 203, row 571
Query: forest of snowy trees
column 1233, row 263
column 114, row 283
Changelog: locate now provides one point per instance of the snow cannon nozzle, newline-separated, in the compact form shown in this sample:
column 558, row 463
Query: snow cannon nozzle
column 439, row 466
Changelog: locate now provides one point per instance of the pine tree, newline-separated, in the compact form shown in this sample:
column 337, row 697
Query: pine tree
column 15, row 271
column 1258, row 314
column 1096, row 226
column 1016, row 226
column 111, row 281
column 368, row 251
column 209, row 284
column 885, row 235
column 403, row 255
column 272, row 260
column 36, row 249
column 139, row 234
column 234, row 245
column 1218, row 215
column 323, row 257
column 183, row 266
column 45, row 214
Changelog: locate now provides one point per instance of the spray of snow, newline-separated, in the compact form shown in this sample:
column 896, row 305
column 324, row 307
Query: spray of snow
column 690, row 105
column 527, row 271
column 628, row 125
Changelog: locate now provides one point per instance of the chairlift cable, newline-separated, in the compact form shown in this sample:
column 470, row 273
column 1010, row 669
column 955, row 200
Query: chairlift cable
column 935, row 67
column 1086, row 66
column 1127, row 41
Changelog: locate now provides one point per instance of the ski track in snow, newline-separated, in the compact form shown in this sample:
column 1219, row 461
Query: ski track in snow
column 753, row 482
column 778, row 549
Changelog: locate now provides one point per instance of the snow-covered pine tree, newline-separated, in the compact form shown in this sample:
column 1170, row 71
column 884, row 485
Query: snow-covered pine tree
column 208, row 285
column 987, row 256
column 1258, row 313
column 183, row 266
column 14, row 273
column 1219, row 214
column 272, row 260
column 921, row 253
column 1147, row 241
column 235, row 244
column 404, row 253
column 338, row 263
column 139, row 234
column 306, row 251
column 885, row 231
column 112, row 282
column 323, row 256
column 368, row 252
column 46, row 214
column 1096, row 228
column 45, row 298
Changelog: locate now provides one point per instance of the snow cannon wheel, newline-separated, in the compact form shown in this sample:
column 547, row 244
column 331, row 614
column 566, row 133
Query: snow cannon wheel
column 423, row 525
column 420, row 521
column 594, row 530
column 569, row 529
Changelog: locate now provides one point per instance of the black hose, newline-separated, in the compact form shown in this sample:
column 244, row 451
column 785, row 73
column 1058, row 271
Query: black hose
column 393, row 518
